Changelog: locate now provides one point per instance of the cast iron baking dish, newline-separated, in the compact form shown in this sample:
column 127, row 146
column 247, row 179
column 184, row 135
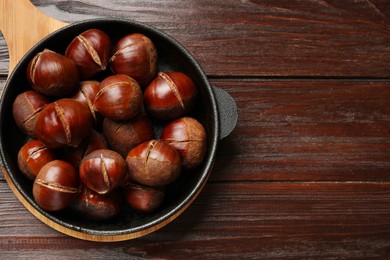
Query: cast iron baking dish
column 215, row 109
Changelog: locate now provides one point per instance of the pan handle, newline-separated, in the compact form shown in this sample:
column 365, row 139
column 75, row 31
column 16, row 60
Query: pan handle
column 227, row 110
column 23, row 25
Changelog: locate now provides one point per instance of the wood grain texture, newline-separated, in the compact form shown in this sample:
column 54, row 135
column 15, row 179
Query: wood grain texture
column 4, row 57
column 259, row 38
column 305, row 174
column 294, row 220
column 20, row 39
column 307, row 131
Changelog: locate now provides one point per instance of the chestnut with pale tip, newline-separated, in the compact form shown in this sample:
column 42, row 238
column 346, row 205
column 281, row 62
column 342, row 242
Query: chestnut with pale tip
column 119, row 97
column 170, row 95
column 103, row 170
column 154, row 163
column 91, row 51
column 33, row 156
column 142, row 198
column 92, row 205
column 136, row 56
column 86, row 94
column 63, row 123
column 93, row 142
column 188, row 137
column 26, row 109
column 52, row 74
column 124, row 136
column 56, row 186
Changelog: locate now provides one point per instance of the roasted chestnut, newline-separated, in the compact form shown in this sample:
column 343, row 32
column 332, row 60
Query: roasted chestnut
column 142, row 198
column 56, row 185
column 93, row 142
column 119, row 97
column 86, row 95
column 188, row 136
column 63, row 123
column 103, row 170
column 124, row 136
column 26, row 109
column 170, row 95
column 33, row 156
column 153, row 163
column 90, row 51
column 95, row 206
column 52, row 74
column 136, row 56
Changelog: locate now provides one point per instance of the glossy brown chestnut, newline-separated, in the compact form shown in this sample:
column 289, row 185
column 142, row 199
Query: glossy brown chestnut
column 56, row 185
column 142, row 198
column 91, row 51
column 188, row 136
column 119, row 97
column 154, row 163
column 52, row 74
column 170, row 95
column 136, row 56
column 26, row 109
column 124, row 136
column 63, row 123
column 95, row 206
column 33, row 156
column 103, row 170
column 86, row 95
column 93, row 142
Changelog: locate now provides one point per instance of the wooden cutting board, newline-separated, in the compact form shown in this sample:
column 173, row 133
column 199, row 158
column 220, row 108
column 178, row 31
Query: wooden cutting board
column 23, row 25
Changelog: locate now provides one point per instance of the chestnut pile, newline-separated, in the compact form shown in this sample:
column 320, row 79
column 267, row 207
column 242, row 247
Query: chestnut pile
column 92, row 143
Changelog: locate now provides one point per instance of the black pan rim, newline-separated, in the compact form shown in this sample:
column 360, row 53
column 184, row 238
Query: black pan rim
column 214, row 125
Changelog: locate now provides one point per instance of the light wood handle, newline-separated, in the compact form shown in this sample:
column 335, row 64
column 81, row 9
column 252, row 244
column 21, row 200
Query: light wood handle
column 23, row 25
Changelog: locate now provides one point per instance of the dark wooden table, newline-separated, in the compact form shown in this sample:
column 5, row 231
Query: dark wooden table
column 306, row 172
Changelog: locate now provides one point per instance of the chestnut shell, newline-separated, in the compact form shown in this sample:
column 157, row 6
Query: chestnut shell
column 119, row 97
column 33, row 156
column 154, row 163
column 170, row 95
column 143, row 198
column 26, row 109
column 52, row 74
column 103, row 170
column 63, row 123
column 92, row 205
column 93, row 142
column 90, row 51
column 56, row 185
column 86, row 95
column 136, row 56
column 124, row 136
column 188, row 136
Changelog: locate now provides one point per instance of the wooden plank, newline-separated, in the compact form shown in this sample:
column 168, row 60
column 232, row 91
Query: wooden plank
column 305, row 173
column 4, row 57
column 258, row 38
column 289, row 220
column 307, row 130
